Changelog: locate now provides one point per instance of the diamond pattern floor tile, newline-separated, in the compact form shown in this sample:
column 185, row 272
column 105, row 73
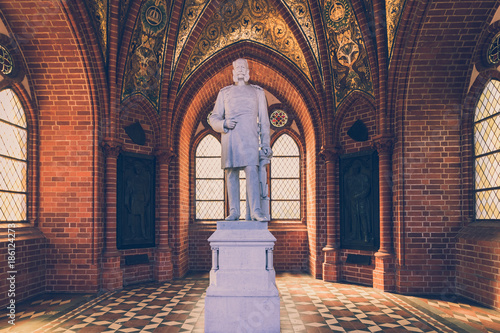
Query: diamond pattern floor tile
column 307, row 305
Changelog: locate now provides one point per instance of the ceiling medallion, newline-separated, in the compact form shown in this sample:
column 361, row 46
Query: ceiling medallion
column 154, row 16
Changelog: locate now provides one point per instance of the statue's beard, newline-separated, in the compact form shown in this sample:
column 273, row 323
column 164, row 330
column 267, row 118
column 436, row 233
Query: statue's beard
column 246, row 78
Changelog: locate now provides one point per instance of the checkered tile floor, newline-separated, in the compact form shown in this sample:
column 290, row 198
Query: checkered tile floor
column 307, row 305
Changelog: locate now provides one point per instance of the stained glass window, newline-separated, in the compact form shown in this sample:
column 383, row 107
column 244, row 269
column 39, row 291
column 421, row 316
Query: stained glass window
column 285, row 179
column 209, row 180
column 13, row 158
column 494, row 50
column 6, row 63
column 278, row 118
column 487, row 153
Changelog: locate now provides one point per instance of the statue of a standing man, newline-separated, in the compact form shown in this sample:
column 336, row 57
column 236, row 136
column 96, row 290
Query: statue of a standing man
column 240, row 115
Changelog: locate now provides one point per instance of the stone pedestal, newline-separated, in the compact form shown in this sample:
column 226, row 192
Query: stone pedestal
column 242, row 296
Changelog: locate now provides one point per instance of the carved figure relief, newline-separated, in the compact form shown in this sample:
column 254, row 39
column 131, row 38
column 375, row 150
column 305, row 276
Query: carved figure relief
column 135, row 204
column 359, row 201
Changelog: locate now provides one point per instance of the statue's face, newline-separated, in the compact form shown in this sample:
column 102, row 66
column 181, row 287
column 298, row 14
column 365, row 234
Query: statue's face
column 240, row 70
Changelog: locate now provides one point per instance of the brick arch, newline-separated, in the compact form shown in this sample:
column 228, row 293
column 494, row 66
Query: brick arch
column 137, row 106
column 282, row 77
column 199, row 94
column 356, row 98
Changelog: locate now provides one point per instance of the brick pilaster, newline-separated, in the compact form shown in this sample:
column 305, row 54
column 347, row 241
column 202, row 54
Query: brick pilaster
column 384, row 273
column 163, row 268
column 332, row 263
column 112, row 275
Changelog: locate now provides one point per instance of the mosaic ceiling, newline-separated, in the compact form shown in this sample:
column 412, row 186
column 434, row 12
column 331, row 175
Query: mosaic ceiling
column 234, row 21
column 254, row 20
column 98, row 11
column 393, row 8
column 347, row 52
column 144, row 66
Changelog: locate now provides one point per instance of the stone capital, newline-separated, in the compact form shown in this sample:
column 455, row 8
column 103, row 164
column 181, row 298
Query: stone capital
column 329, row 153
column 165, row 155
column 383, row 144
column 111, row 147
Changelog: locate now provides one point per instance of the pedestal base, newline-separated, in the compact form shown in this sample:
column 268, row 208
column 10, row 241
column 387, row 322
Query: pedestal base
column 242, row 314
column 242, row 296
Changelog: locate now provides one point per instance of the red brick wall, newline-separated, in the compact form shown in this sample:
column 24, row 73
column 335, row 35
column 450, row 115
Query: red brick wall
column 478, row 269
column 29, row 266
column 431, row 83
column 67, row 142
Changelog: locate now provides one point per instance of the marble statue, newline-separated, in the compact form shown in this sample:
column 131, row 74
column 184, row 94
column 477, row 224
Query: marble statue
column 240, row 115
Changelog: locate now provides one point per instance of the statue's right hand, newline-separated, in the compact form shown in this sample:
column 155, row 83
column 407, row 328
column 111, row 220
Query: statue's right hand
column 230, row 123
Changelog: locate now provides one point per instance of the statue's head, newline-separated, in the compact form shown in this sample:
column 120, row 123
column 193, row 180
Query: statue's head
column 240, row 68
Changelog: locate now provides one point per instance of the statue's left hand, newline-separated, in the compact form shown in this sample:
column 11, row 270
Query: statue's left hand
column 267, row 151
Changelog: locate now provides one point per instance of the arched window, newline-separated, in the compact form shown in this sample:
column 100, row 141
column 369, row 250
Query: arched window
column 487, row 153
column 13, row 158
column 209, row 180
column 285, row 179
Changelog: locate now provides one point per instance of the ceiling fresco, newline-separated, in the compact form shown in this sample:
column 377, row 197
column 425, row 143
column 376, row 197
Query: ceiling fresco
column 242, row 20
column 347, row 50
column 302, row 14
column 144, row 66
column 393, row 8
column 254, row 20
column 98, row 12
column 190, row 15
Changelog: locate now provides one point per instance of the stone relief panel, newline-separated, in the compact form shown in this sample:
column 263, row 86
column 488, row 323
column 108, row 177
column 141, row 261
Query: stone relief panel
column 254, row 20
column 135, row 226
column 143, row 69
column 359, row 213
column 393, row 8
column 347, row 51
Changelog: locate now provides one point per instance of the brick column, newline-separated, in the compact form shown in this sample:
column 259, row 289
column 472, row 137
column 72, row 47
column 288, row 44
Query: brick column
column 112, row 275
column 384, row 273
column 163, row 268
column 332, row 263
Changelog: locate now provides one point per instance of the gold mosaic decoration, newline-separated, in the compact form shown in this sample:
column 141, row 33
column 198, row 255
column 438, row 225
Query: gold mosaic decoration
column 98, row 12
column 347, row 51
column 190, row 15
column 302, row 14
column 124, row 9
column 236, row 21
column 487, row 152
column 393, row 8
column 144, row 65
